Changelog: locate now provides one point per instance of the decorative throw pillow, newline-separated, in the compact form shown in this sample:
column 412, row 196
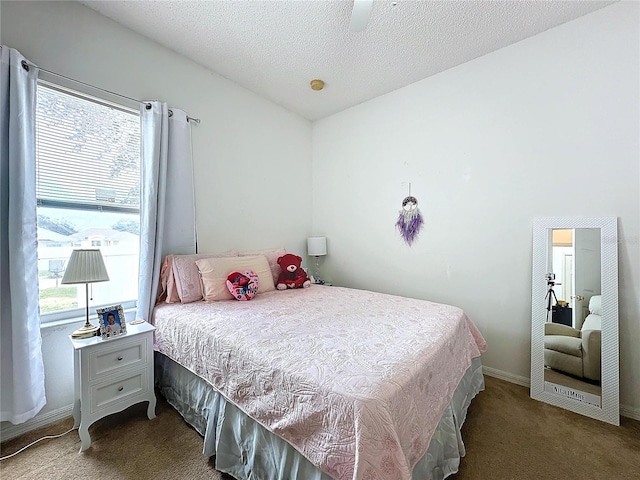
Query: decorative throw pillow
column 272, row 255
column 187, row 277
column 167, row 289
column 243, row 285
column 214, row 273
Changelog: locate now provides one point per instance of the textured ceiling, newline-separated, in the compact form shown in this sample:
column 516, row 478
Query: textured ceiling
column 275, row 48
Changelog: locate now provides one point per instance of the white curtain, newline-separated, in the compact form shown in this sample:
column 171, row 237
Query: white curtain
column 22, row 393
column 180, row 218
column 167, row 213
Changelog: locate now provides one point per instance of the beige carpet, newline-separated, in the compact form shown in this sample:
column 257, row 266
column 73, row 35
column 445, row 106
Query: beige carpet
column 508, row 436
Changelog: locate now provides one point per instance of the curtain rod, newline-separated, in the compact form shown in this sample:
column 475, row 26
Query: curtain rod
column 26, row 66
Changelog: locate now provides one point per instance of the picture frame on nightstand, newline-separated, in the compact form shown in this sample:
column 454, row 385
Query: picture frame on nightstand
column 112, row 321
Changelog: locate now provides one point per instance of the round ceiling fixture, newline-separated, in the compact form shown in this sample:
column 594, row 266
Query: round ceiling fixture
column 317, row 84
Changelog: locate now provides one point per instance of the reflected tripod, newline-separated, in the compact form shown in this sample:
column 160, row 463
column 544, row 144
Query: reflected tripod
column 551, row 295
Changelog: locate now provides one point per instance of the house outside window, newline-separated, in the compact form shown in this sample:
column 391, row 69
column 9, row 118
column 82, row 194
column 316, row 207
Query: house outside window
column 88, row 192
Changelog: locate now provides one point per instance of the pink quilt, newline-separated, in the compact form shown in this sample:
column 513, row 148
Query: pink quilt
column 355, row 380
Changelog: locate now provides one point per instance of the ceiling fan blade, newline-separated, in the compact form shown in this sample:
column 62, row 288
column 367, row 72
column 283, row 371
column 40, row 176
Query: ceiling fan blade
column 360, row 15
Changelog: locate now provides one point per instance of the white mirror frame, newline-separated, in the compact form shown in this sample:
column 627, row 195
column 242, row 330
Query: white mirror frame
column 610, row 402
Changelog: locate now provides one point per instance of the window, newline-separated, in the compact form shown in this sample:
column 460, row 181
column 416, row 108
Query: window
column 88, row 191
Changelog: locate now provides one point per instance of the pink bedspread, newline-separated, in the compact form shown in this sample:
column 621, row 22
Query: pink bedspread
column 356, row 381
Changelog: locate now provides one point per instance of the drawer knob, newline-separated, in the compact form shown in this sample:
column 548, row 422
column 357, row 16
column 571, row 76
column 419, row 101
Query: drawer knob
column 120, row 389
column 120, row 358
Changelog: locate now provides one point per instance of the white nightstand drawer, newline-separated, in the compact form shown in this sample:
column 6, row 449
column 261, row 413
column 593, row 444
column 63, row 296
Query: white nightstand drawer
column 103, row 396
column 105, row 361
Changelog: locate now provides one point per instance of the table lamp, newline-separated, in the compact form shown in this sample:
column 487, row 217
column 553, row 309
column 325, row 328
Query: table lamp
column 317, row 247
column 85, row 266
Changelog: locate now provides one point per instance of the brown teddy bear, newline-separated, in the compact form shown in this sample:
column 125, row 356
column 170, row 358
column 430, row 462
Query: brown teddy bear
column 292, row 275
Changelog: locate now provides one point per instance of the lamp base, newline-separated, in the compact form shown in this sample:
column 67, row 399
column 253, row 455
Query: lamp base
column 86, row 331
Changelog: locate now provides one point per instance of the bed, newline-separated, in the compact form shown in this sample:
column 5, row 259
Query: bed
column 322, row 383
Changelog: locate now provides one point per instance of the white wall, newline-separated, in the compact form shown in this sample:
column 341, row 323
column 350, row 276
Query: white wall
column 241, row 148
column 546, row 127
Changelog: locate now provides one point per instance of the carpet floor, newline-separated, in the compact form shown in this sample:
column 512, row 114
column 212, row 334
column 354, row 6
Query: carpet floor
column 508, row 436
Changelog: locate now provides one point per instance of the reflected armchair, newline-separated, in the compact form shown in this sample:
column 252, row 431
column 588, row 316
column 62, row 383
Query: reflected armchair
column 573, row 351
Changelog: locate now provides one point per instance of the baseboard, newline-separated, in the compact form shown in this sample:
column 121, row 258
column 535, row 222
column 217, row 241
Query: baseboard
column 38, row 421
column 625, row 411
column 506, row 376
column 630, row 412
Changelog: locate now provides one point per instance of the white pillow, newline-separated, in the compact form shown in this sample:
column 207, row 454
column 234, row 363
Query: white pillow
column 595, row 304
column 214, row 273
column 592, row 322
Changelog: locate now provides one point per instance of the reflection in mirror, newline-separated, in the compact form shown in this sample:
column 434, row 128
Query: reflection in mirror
column 574, row 346
column 572, row 332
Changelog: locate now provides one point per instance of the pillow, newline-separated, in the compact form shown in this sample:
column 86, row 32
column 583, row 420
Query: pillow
column 595, row 304
column 166, row 289
column 272, row 255
column 186, row 275
column 214, row 273
column 592, row 322
column 243, row 285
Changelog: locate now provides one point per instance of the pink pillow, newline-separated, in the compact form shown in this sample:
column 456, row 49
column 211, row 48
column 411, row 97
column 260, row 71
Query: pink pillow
column 167, row 288
column 214, row 273
column 165, row 271
column 187, row 277
column 243, row 286
column 272, row 255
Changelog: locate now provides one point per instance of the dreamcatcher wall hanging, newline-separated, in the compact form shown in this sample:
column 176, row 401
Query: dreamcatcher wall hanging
column 409, row 219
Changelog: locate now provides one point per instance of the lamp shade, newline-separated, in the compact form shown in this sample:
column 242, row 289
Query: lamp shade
column 85, row 266
column 317, row 246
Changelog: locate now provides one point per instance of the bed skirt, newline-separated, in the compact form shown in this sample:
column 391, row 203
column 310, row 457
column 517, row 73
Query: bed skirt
column 247, row 451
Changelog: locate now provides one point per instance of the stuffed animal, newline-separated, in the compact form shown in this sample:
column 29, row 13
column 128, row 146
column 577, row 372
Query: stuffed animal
column 292, row 275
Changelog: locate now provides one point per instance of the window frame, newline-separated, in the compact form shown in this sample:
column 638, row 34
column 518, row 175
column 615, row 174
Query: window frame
column 80, row 313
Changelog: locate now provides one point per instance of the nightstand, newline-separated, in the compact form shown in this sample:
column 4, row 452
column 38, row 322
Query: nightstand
column 111, row 375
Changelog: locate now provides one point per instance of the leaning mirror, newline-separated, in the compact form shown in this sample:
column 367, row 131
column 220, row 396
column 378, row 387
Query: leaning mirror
column 574, row 317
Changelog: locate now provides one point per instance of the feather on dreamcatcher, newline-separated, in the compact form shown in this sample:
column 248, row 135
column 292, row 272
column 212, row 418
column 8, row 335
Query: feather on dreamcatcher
column 409, row 219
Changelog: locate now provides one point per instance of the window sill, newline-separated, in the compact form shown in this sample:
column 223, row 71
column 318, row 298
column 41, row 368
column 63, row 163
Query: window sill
column 129, row 313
